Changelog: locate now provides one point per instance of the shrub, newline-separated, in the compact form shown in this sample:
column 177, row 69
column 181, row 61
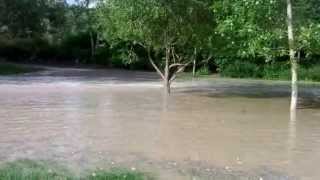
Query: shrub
column 17, row 49
column 22, row 49
column 241, row 69
column 276, row 71
column 311, row 74
column 102, row 56
column 75, row 46
column 204, row 70
column 9, row 69
column 283, row 72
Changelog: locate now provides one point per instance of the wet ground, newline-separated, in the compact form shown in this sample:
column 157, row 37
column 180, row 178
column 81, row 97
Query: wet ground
column 207, row 129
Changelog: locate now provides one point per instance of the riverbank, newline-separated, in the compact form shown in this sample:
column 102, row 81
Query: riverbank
column 187, row 76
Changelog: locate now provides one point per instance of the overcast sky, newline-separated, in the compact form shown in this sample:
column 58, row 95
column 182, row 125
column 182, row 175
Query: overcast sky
column 70, row 1
column 73, row 1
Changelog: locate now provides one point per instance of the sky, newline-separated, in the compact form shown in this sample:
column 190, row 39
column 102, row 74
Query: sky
column 70, row 1
column 73, row 2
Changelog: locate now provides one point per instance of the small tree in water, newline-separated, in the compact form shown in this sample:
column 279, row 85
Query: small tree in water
column 164, row 28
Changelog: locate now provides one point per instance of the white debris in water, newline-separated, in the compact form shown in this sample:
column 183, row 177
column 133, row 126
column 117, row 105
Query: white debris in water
column 239, row 161
column 112, row 162
column 94, row 174
column 260, row 178
column 133, row 168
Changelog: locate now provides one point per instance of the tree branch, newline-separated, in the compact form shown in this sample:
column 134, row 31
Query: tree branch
column 154, row 65
column 172, row 53
column 176, row 64
column 180, row 69
column 206, row 60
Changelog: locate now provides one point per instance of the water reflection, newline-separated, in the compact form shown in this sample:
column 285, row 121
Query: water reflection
column 292, row 130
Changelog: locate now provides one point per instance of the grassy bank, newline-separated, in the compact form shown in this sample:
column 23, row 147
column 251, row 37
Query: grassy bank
column 272, row 71
column 31, row 170
column 11, row 69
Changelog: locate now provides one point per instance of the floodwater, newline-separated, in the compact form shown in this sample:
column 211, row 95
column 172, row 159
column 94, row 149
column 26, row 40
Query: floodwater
column 207, row 129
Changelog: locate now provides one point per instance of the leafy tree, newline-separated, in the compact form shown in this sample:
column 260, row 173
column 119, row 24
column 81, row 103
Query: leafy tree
column 257, row 28
column 29, row 18
column 251, row 28
column 164, row 28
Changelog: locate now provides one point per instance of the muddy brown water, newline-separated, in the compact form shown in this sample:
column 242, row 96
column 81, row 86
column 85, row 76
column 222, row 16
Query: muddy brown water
column 207, row 129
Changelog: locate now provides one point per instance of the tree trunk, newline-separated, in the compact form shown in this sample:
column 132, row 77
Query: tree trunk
column 167, row 72
column 293, row 60
column 194, row 63
column 92, row 45
column 96, row 43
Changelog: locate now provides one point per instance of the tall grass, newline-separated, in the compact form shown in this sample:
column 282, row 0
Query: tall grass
column 274, row 71
column 31, row 170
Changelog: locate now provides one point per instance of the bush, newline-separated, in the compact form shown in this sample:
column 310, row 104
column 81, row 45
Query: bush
column 102, row 56
column 311, row 74
column 276, row 71
column 241, row 69
column 75, row 46
column 283, row 72
column 204, row 70
column 23, row 49
column 9, row 69
column 17, row 49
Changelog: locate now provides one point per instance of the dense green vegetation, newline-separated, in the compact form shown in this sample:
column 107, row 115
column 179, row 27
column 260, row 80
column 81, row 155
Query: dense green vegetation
column 31, row 170
column 270, row 71
column 236, row 38
column 8, row 69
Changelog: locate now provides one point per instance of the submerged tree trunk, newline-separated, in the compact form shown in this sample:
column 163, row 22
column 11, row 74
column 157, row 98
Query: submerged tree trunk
column 194, row 63
column 167, row 72
column 171, row 70
column 164, row 76
column 293, row 60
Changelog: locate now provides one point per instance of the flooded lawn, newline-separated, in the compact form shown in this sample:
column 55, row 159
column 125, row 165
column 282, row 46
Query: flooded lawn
column 207, row 129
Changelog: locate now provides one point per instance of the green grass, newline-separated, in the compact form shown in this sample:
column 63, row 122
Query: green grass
column 116, row 174
column 270, row 72
column 31, row 170
column 11, row 69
